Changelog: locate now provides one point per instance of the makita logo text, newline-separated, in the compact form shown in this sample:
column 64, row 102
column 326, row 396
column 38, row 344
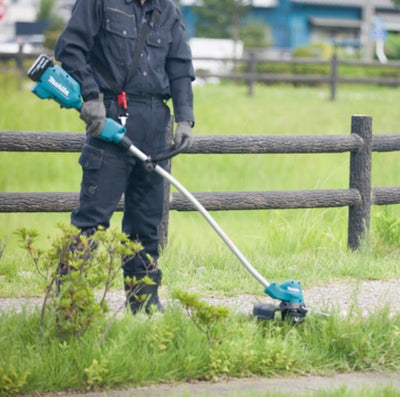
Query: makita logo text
column 293, row 289
column 59, row 86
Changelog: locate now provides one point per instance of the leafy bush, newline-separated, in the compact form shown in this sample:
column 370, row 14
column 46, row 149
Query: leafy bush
column 317, row 51
column 75, row 266
column 203, row 315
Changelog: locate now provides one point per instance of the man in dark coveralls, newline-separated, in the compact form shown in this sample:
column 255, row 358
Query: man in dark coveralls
column 97, row 48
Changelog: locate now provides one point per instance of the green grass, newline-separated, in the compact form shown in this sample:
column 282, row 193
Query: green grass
column 170, row 348
column 308, row 245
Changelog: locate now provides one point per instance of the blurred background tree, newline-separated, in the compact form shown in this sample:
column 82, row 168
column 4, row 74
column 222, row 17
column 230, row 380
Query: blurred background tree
column 220, row 19
column 255, row 35
column 47, row 12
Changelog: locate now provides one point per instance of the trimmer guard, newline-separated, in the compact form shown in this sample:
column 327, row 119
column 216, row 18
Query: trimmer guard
column 288, row 291
column 293, row 312
column 265, row 311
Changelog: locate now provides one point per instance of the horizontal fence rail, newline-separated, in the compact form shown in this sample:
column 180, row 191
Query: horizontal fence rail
column 360, row 143
column 331, row 76
column 245, row 69
column 31, row 141
column 215, row 201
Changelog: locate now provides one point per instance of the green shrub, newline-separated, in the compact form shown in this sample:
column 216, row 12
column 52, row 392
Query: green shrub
column 72, row 269
column 317, row 51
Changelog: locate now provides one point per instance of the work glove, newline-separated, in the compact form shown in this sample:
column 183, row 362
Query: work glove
column 93, row 113
column 183, row 129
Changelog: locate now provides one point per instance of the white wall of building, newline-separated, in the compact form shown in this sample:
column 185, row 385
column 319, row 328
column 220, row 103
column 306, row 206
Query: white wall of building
column 17, row 10
column 214, row 48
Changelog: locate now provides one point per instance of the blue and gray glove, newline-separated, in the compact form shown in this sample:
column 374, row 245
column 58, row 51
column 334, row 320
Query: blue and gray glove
column 93, row 113
column 183, row 130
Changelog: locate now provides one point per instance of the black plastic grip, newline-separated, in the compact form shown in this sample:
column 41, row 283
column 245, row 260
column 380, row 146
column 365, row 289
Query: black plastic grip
column 173, row 151
column 125, row 143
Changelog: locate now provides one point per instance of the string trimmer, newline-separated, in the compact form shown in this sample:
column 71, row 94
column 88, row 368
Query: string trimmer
column 53, row 82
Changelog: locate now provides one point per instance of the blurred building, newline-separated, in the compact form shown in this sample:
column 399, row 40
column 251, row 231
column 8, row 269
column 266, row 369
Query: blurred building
column 16, row 11
column 295, row 23
column 20, row 20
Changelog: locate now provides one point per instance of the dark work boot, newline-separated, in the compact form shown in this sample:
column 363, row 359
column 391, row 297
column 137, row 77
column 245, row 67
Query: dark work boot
column 141, row 295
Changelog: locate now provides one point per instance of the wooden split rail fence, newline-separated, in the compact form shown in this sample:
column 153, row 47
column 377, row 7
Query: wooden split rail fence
column 360, row 143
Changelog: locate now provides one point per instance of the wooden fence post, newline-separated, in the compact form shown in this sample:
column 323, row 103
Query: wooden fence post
column 20, row 65
column 360, row 179
column 163, row 227
column 252, row 72
column 334, row 74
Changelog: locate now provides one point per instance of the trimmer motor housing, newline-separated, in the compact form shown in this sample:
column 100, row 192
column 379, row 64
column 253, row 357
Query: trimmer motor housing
column 53, row 82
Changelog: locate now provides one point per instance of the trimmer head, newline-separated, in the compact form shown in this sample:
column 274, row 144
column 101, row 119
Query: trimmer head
column 292, row 305
column 293, row 312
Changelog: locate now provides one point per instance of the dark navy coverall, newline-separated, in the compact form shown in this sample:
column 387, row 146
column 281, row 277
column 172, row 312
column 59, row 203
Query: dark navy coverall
column 106, row 32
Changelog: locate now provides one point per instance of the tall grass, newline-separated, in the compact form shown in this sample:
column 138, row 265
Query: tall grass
column 170, row 348
column 305, row 244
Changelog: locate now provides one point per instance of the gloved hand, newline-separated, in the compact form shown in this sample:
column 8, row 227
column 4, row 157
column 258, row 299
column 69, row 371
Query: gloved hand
column 183, row 129
column 93, row 113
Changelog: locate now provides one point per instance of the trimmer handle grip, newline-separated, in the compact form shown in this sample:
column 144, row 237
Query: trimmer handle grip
column 112, row 131
column 171, row 152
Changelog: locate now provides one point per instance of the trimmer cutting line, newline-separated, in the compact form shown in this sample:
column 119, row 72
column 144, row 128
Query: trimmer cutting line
column 53, row 82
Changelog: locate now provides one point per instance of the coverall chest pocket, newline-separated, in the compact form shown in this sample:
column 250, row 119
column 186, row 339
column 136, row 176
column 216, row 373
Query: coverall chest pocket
column 120, row 33
column 158, row 45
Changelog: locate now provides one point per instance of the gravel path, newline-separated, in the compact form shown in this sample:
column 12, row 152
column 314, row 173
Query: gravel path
column 261, row 387
column 366, row 295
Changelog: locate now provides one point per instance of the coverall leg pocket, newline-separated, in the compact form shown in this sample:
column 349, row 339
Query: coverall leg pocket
column 105, row 174
column 90, row 160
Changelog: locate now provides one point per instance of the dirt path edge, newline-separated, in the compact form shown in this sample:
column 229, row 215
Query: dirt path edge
column 293, row 386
